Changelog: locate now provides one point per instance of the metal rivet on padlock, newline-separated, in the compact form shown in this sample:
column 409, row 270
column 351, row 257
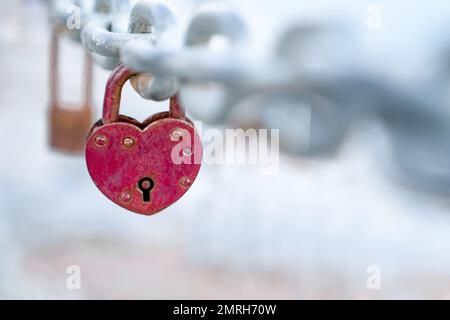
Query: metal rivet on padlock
column 185, row 182
column 176, row 134
column 68, row 126
column 100, row 140
column 143, row 167
column 128, row 142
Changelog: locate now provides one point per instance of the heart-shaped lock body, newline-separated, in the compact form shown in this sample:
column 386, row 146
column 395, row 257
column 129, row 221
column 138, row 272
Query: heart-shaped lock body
column 143, row 167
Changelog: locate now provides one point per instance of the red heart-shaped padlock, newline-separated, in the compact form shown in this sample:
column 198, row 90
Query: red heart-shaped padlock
column 143, row 167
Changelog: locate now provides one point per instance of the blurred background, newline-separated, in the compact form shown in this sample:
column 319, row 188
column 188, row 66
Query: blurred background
column 359, row 91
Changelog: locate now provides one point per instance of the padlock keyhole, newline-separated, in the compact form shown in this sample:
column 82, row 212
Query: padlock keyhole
column 146, row 185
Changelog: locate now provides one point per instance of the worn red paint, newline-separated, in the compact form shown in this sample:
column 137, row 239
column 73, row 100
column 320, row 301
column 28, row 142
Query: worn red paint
column 117, row 168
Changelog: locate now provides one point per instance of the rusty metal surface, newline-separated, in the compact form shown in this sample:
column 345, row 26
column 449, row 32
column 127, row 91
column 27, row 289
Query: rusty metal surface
column 120, row 153
column 68, row 125
column 117, row 169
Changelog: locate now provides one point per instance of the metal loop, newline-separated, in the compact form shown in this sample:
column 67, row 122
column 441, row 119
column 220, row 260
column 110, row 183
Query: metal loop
column 213, row 20
column 148, row 21
column 113, row 93
column 97, row 38
column 158, row 19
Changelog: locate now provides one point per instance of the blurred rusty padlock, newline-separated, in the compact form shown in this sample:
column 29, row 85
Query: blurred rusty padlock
column 69, row 125
column 143, row 167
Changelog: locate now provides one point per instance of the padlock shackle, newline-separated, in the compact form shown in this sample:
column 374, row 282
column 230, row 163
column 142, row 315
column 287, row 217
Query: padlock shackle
column 113, row 92
column 54, row 73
